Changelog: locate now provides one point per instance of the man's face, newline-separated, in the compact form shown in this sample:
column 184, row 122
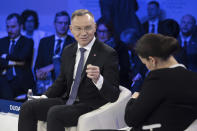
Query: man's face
column 102, row 33
column 83, row 28
column 30, row 24
column 13, row 28
column 153, row 11
column 187, row 25
column 61, row 25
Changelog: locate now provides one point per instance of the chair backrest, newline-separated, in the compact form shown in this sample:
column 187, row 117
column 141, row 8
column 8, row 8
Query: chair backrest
column 192, row 127
column 108, row 116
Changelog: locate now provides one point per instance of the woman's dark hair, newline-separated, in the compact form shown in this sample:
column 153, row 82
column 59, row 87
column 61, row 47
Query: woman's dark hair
column 26, row 14
column 170, row 27
column 156, row 45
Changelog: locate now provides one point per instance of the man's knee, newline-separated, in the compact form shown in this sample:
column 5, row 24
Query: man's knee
column 53, row 113
column 27, row 107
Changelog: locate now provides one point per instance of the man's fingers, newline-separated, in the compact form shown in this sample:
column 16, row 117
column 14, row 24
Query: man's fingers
column 91, row 76
column 92, row 71
column 92, row 67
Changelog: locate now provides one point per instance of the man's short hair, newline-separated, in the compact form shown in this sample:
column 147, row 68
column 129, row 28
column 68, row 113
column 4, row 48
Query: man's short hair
column 18, row 17
column 62, row 13
column 81, row 12
column 154, row 2
column 192, row 17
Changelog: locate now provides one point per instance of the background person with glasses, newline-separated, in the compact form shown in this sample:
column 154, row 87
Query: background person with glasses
column 47, row 65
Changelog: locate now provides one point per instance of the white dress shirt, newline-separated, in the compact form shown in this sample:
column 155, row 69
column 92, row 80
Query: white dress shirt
column 86, row 54
column 155, row 23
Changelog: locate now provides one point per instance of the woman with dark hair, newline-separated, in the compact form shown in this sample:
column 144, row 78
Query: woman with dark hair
column 168, row 95
column 30, row 23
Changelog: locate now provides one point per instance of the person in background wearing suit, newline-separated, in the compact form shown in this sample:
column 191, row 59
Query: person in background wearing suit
column 153, row 24
column 88, row 79
column 15, row 60
column 105, row 34
column 188, row 41
column 168, row 95
column 50, row 50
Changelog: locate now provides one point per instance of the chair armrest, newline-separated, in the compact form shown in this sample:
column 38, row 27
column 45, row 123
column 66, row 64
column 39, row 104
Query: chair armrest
column 108, row 116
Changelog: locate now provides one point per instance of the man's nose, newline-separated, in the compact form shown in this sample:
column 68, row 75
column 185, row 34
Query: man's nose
column 83, row 32
column 9, row 29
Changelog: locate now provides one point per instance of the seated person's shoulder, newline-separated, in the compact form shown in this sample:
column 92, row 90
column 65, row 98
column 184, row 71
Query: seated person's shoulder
column 71, row 39
column 47, row 38
column 3, row 39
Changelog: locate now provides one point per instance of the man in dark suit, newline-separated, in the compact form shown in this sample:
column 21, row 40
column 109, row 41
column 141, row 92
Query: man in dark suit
column 48, row 61
column 188, row 42
column 15, row 60
column 153, row 24
column 88, row 79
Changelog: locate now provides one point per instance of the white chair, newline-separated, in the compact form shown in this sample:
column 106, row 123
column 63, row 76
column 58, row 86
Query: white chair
column 192, row 126
column 109, row 116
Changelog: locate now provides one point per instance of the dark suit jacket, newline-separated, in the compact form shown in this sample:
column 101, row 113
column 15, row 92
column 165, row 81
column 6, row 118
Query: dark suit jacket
column 188, row 57
column 146, row 27
column 23, row 52
column 46, row 51
column 168, row 97
column 100, row 55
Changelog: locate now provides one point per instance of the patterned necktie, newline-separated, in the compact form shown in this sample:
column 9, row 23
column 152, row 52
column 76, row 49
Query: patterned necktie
column 152, row 28
column 10, row 74
column 58, row 47
column 11, row 51
column 77, row 80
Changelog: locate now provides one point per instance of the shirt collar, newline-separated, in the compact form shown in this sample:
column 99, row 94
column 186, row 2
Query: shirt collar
column 62, row 38
column 16, row 39
column 177, row 65
column 89, row 46
column 186, row 38
column 155, row 22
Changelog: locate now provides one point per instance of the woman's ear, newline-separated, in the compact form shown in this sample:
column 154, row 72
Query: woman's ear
column 153, row 61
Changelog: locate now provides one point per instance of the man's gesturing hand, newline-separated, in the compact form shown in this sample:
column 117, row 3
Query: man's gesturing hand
column 93, row 72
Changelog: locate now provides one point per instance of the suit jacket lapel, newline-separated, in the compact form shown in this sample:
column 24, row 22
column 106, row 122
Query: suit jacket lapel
column 70, row 68
column 51, row 46
column 18, row 44
column 91, row 58
column 7, row 45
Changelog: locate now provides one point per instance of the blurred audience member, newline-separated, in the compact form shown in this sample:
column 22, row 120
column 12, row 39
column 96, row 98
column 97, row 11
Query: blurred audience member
column 15, row 60
column 170, row 28
column 188, row 41
column 30, row 30
column 137, row 69
column 104, row 33
column 121, row 14
column 50, row 49
column 153, row 24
